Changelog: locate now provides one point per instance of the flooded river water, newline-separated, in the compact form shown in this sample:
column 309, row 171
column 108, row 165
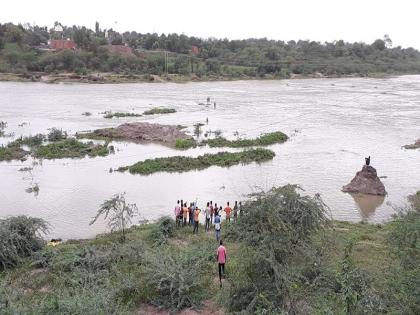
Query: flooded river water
column 332, row 123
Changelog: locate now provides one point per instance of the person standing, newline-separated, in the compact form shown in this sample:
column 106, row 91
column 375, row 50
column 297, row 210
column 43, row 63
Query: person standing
column 228, row 211
column 185, row 213
column 235, row 212
column 191, row 214
column 196, row 219
column 207, row 212
column 221, row 259
column 177, row 214
column 211, row 212
column 217, row 226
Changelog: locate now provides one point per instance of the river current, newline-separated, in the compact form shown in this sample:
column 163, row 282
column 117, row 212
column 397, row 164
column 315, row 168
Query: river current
column 332, row 123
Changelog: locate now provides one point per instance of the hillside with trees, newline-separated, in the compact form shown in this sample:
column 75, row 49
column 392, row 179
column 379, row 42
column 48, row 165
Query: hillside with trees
column 24, row 51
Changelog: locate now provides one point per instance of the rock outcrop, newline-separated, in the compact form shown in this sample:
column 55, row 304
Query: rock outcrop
column 366, row 181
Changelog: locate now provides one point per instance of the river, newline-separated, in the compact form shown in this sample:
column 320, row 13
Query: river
column 332, row 123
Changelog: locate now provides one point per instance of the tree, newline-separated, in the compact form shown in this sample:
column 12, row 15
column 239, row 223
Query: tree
column 379, row 44
column 118, row 212
column 97, row 29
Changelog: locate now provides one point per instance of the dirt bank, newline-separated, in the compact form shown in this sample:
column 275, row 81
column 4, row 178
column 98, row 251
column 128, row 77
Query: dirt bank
column 139, row 132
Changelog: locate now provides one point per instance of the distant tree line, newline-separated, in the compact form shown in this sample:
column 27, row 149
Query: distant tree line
column 20, row 53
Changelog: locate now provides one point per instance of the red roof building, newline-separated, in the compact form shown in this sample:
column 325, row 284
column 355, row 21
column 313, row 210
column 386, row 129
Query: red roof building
column 60, row 44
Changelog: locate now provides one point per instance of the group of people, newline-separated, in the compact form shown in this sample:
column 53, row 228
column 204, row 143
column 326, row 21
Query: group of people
column 190, row 215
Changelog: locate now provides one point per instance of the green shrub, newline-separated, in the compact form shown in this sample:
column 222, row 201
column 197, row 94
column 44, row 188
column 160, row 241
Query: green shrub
column 56, row 135
column 404, row 238
column 276, row 230
column 163, row 230
column 185, row 143
column 20, row 237
column 178, row 278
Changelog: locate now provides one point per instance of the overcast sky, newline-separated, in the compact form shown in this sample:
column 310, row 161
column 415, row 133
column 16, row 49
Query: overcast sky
column 320, row 20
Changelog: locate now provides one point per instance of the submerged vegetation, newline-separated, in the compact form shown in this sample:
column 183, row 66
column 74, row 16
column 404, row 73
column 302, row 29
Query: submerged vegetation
column 265, row 139
column 71, row 148
column 185, row 143
column 55, row 145
column 110, row 115
column 415, row 145
column 159, row 110
column 284, row 256
column 186, row 163
column 12, row 151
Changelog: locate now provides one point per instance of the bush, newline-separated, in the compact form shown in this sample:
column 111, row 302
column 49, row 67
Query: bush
column 185, row 143
column 404, row 238
column 276, row 230
column 20, row 237
column 56, row 135
column 177, row 278
column 163, row 230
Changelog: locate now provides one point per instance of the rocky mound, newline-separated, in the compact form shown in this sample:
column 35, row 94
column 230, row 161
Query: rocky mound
column 139, row 131
column 366, row 181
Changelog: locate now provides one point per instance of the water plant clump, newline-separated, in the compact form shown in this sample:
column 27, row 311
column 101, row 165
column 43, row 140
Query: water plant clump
column 185, row 144
column 56, row 134
column 159, row 110
column 263, row 140
column 110, row 115
column 186, row 163
column 12, row 152
column 71, row 148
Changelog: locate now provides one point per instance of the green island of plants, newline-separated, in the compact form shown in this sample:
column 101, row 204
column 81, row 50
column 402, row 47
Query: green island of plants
column 159, row 110
column 186, row 163
column 110, row 115
column 285, row 256
column 59, row 146
column 71, row 148
column 265, row 139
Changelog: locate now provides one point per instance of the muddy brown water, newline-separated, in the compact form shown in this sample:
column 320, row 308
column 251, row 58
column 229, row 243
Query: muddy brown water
column 333, row 124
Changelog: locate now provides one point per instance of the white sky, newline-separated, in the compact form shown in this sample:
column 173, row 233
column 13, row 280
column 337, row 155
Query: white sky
column 320, row 20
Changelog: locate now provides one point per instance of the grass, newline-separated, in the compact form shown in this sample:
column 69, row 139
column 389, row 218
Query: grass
column 185, row 163
column 159, row 110
column 107, row 134
column 75, row 276
column 265, row 139
column 185, row 144
column 70, row 148
column 111, row 115
column 12, row 152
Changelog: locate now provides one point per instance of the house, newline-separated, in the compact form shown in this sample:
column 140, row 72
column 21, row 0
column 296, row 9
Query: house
column 60, row 44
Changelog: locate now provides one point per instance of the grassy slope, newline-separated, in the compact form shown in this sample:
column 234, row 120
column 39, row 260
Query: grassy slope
column 369, row 254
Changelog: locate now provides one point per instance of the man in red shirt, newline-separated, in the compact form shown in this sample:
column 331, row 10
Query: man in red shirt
column 221, row 259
